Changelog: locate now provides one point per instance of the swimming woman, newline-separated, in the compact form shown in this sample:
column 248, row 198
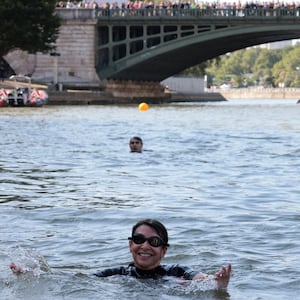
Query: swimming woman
column 148, row 245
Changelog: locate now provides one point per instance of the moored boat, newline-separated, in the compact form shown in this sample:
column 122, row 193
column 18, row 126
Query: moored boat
column 22, row 93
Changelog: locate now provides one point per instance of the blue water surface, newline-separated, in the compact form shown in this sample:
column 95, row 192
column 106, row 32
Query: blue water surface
column 223, row 177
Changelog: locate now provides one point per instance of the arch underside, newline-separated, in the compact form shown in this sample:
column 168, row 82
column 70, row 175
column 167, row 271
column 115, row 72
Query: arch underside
column 167, row 59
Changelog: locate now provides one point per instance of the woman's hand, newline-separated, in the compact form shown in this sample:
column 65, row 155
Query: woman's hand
column 15, row 268
column 223, row 276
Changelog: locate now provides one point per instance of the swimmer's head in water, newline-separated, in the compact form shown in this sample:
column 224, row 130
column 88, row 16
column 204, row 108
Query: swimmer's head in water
column 136, row 144
column 157, row 226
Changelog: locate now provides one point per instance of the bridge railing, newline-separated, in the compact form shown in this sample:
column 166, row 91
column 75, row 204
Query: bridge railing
column 169, row 12
column 197, row 12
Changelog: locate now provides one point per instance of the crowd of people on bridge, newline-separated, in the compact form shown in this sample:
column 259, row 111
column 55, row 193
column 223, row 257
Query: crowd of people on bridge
column 194, row 8
column 181, row 4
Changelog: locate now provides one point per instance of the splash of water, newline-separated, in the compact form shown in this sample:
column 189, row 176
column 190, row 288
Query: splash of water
column 29, row 260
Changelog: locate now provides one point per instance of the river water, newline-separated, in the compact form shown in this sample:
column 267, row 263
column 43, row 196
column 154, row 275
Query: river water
column 223, row 177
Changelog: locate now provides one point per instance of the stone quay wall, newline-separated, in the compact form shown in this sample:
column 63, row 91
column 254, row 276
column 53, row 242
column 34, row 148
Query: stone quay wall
column 73, row 63
column 74, row 60
column 260, row 93
column 76, row 56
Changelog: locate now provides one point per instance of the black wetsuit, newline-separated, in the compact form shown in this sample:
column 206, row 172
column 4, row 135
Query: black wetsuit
column 158, row 272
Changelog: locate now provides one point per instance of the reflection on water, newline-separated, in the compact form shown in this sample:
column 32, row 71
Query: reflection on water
column 223, row 177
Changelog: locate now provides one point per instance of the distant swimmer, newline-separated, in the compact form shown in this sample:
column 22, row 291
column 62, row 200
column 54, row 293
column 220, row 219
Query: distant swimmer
column 136, row 144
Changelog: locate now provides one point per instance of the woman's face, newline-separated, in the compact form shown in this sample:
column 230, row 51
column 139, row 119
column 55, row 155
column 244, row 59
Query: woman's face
column 135, row 145
column 145, row 256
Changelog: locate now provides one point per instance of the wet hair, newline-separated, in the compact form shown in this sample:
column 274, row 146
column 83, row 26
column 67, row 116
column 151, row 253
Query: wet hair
column 137, row 138
column 157, row 226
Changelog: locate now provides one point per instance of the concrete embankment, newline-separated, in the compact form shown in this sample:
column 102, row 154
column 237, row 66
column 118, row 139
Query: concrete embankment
column 79, row 97
column 98, row 97
column 260, row 93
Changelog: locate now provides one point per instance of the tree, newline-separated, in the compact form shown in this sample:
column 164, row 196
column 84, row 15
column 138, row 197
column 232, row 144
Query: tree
column 198, row 70
column 213, row 70
column 287, row 70
column 248, row 59
column 29, row 25
column 263, row 65
column 227, row 69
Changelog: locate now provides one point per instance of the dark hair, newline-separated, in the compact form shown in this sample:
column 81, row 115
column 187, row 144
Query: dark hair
column 137, row 138
column 157, row 226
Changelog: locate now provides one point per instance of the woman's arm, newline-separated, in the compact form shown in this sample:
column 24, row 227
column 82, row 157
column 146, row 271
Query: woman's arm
column 222, row 277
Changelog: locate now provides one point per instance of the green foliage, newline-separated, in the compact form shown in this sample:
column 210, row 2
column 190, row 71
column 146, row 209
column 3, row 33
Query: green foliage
column 198, row 70
column 287, row 71
column 254, row 66
column 29, row 25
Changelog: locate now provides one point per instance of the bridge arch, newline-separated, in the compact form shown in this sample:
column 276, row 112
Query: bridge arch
column 163, row 53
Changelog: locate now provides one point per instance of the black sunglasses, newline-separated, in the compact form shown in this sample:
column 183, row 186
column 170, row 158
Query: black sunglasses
column 154, row 241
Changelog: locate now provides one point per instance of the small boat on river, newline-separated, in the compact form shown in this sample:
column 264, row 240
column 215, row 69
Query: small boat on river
column 22, row 92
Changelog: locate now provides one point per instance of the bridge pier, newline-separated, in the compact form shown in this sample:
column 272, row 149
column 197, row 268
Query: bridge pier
column 135, row 89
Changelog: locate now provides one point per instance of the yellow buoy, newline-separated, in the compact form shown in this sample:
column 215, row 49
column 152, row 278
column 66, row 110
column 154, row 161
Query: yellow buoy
column 143, row 106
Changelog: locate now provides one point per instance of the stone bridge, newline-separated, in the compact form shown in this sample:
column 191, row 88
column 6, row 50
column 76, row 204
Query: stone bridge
column 156, row 44
column 121, row 49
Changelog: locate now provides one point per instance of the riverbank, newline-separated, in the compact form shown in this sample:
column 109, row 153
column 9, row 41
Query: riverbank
column 81, row 97
column 99, row 97
column 260, row 93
